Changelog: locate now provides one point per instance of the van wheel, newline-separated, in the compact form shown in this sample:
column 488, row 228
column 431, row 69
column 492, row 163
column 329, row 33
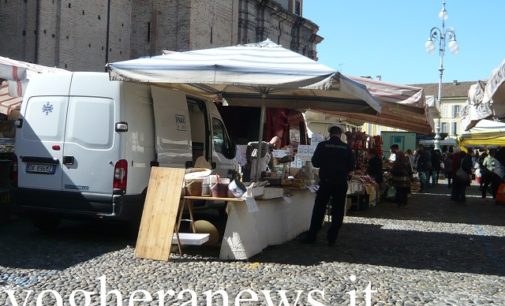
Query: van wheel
column 46, row 224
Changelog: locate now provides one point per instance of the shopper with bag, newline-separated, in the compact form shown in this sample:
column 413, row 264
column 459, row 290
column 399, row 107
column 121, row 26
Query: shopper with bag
column 462, row 170
column 402, row 176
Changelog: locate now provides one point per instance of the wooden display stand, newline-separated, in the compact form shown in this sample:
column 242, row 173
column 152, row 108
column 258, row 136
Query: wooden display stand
column 162, row 216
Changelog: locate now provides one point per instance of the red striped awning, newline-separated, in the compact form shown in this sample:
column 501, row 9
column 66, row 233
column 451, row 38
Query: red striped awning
column 7, row 102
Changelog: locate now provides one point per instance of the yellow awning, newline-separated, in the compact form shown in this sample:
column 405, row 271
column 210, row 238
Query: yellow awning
column 482, row 139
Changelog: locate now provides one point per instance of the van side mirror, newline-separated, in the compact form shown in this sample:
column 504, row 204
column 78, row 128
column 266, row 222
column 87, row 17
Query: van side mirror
column 121, row 127
column 230, row 150
column 18, row 123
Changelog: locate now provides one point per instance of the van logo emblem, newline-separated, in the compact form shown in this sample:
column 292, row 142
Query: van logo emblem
column 47, row 108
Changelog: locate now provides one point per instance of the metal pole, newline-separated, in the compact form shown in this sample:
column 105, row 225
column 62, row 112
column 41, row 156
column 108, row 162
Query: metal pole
column 441, row 50
column 257, row 172
column 438, row 137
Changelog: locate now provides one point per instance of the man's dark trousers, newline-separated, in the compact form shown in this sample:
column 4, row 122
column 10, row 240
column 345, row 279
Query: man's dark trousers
column 338, row 194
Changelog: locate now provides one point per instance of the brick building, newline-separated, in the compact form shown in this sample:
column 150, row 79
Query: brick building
column 85, row 35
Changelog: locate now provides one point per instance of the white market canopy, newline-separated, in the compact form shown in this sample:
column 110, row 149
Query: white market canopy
column 16, row 75
column 403, row 106
column 260, row 74
column 486, row 100
column 494, row 92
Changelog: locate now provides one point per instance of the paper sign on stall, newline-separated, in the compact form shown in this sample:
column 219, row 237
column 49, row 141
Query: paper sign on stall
column 316, row 138
column 303, row 149
column 297, row 162
column 280, row 153
column 252, row 206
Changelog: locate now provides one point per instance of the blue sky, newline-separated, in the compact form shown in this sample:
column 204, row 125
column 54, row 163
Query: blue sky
column 386, row 37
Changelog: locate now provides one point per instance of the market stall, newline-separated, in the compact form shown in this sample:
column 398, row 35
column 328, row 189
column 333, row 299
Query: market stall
column 256, row 75
column 486, row 100
column 398, row 103
column 484, row 133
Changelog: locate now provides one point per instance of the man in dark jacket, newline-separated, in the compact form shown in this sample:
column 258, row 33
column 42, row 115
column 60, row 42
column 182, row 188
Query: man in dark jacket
column 461, row 180
column 335, row 160
column 423, row 167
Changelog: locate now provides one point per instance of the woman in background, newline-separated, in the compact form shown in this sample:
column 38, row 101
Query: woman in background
column 402, row 176
column 374, row 166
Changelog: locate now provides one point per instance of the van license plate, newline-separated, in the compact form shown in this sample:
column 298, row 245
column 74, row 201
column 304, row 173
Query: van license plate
column 40, row 168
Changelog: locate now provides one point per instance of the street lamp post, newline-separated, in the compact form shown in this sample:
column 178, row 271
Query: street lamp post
column 441, row 35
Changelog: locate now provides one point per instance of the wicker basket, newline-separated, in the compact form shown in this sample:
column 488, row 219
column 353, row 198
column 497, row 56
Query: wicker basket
column 194, row 187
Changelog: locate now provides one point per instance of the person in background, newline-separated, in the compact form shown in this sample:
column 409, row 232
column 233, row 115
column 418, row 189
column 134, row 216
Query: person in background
column 374, row 166
column 402, row 176
column 464, row 161
column 436, row 160
column 392, row 156
column 448, row 168
column 423, row 167
column 487, row 172
column 335, row 161
column 499, row 171
column 412, row 159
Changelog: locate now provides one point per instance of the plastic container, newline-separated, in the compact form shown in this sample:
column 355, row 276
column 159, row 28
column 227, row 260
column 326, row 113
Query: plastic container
column 237, row 189
column 220, row 189
column 206, row 187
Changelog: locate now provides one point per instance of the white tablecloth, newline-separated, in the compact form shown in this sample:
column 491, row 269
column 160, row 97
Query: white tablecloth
column 275, row 222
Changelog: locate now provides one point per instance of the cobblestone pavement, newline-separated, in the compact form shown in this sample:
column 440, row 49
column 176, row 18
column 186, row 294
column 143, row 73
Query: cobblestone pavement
column 434, row 252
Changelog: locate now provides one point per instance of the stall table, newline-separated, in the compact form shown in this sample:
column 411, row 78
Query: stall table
column 275, row 222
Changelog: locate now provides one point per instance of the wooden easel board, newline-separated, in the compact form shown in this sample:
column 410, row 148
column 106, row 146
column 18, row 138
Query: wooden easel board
column 160, row 213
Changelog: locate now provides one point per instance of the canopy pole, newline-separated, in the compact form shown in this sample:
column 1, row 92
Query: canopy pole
column 260, row 141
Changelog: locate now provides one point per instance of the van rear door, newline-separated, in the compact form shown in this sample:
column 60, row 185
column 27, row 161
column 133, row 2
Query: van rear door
column 88, row 155
column 39, row 144
column 91, row 147
column 67, row 138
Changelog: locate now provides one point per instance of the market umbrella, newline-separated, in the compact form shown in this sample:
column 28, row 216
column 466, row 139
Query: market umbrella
column 16, row 75
column 485, row 133
column 258, row 75
column 403, row 107
column 8, row 103
column 494, row 92
column 486, row 100
column 251, row 75
column 475, row 110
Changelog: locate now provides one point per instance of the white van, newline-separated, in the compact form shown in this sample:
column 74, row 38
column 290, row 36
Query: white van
column 85, row 144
